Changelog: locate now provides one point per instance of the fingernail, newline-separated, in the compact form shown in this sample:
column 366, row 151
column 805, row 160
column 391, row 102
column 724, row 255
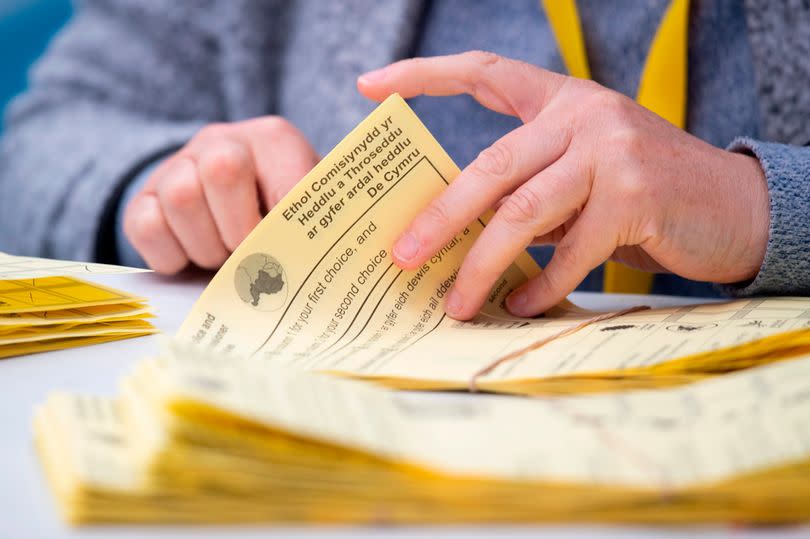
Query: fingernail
column 453, row 304
column 406, row 247
column 372, row 77
column 517, row 303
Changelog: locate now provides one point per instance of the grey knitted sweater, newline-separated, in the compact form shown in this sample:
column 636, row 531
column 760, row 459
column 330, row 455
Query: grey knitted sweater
column 128, row 81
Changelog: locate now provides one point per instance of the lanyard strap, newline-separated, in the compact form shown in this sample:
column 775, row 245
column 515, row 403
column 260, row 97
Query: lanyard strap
column 662, row 89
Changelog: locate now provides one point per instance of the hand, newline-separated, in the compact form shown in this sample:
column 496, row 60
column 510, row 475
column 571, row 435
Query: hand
column 200, row 203
column 591, row 172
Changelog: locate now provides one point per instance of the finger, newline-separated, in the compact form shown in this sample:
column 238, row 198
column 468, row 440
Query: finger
column 501, row 84
column 497, row 171
column 147, row 230
column 186, row 211
column 229, row 184
column 630, row 255
column 540, row 205
column 591, row 240
column 636, row 257
column 282, row 156
column 499, row 203
column 556, row 235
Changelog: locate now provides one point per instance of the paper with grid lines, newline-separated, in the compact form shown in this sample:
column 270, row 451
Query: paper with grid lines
column 52, row 293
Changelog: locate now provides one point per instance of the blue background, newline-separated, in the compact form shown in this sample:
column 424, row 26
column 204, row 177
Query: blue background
column 26, row 27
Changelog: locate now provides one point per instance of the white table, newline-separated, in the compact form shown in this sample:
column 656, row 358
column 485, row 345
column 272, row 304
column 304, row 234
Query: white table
column 27, row 509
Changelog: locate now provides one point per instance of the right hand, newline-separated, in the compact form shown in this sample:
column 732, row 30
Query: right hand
column 201, row 202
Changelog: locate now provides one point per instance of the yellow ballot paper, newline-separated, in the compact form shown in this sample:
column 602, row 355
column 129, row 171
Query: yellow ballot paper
column 314, row 286
column 230, row 423
column 196, row 438
column 96, row 313
column 41, row 310
column 57, row 293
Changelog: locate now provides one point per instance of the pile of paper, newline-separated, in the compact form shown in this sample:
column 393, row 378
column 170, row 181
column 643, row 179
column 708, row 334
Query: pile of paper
column 252, row 429
column 41, row 312
column 201, row 438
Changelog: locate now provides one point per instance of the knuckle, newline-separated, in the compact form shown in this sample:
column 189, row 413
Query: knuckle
column 182, row 192
column 632, row 188
column 474, row 272
column 613, row 110
column 142, row 226
column 274, row 126
column 629, row 142
column 213, row 131
column 225, row 164
column 587, row 85
column 605, row 101
column 436, row 213
column 497, row 161
column 521, row 208
column 630, row 152
column 484, row 58
column 567, row 255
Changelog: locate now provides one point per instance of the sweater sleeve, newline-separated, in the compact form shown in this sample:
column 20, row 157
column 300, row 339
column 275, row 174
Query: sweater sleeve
column 124, row 83
column 786, row 267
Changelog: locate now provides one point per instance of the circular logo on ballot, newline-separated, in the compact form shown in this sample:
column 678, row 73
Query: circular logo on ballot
column 261, row 282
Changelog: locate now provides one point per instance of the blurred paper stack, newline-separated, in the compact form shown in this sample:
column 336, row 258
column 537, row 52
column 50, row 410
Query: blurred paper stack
column 198, row 438
column 44, row 307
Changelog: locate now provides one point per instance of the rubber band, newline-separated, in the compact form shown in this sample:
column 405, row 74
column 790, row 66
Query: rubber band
column 473, row 387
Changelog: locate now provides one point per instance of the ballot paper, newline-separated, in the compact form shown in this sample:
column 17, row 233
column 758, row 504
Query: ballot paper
column 57, row 293
column 117, row 311
column 42, row 311
column 197, row 438
column 251, row 414
column 314, row 286
column 27, row 267
column 66, row 331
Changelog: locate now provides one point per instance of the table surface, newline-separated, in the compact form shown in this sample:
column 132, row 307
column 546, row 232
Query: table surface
column 28, row 510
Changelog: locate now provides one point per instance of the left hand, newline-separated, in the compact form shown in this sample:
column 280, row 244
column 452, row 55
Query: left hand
column 591, row 172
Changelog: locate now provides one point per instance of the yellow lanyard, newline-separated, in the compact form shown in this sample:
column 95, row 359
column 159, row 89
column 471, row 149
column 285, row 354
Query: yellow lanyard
column 662, row 89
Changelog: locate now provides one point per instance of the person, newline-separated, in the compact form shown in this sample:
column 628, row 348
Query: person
column 162, row 131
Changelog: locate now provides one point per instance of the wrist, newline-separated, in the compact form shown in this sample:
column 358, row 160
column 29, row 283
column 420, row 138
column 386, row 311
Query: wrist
column 752, row 220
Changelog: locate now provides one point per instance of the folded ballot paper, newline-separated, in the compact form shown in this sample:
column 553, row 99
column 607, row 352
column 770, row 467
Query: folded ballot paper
column 44, row 306
column 203, row 437
column 257, row 410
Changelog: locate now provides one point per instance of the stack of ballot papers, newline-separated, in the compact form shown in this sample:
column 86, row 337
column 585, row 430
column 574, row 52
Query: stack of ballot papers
column 44, row 306
column 198, row 437
column 273, row 402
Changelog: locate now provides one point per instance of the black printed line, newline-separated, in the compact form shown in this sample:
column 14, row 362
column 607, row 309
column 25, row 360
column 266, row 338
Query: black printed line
column 395, row 354
column 359, row 310
column 373, row 312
